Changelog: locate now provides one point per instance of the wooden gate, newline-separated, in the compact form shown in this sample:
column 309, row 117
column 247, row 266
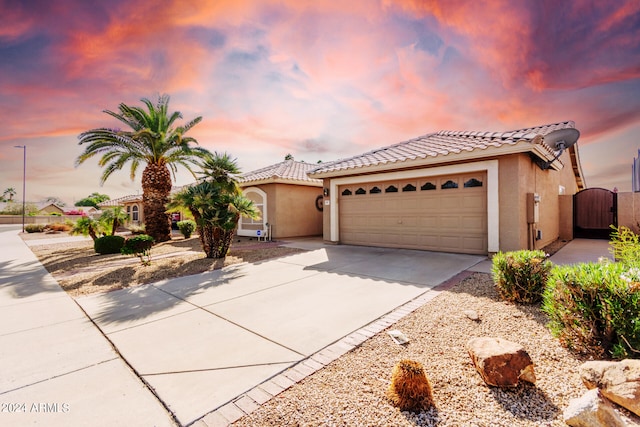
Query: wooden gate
column 594, row 211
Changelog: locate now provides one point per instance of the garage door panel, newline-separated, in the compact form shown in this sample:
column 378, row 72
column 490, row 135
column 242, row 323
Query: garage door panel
column 453, row 220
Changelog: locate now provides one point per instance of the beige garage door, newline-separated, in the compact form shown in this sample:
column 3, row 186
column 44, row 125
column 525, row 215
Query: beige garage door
column 444, row 213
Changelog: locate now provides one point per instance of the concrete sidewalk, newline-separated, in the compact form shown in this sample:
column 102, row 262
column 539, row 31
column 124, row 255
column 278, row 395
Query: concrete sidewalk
column 57, row 368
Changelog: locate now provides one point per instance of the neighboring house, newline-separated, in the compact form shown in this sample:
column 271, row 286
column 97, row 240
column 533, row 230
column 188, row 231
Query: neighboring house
column 463, row 192
column 87, row 210
column 132, row 204
column 46, row 208
column 289, row 200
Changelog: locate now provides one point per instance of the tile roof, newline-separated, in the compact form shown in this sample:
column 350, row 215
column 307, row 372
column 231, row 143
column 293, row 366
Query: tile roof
column 289, row 171
column 121, row 200
column 447, row 143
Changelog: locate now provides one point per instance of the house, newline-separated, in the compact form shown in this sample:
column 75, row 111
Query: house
column 456, row 191
column 132, row 204
column 289, row 200
column 48, row 208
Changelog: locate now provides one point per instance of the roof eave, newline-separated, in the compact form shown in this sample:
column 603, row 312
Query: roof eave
column 522, row 146
column 272, row 180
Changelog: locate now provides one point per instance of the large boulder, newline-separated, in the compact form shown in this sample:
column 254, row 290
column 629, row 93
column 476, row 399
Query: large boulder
column 617, row 381
column 592, row 410
column 500, row 362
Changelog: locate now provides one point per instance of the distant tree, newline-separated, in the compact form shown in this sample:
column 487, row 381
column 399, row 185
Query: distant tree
column 288, row 157
column 55, row 201
column 151, row 139
column 92, row 200
column 9, row 192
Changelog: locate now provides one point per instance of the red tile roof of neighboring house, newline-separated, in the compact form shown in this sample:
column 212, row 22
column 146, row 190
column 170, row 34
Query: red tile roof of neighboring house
column 447, row 146
column 287, row 172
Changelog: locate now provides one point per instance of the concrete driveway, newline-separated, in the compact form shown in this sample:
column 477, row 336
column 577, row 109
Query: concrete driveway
column 202, row 341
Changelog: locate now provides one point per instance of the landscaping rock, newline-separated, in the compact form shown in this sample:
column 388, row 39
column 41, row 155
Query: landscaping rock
column 472, row 314
column 592, row 410
column 500, row 362
column 617, row 381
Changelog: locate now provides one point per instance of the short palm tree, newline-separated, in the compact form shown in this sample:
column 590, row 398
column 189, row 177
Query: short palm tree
column 216, row 204
column 113, row 218
column 87, row 226
column 153, row 140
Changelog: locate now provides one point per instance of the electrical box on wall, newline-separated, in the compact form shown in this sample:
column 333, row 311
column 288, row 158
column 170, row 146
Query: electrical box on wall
column 533, row 208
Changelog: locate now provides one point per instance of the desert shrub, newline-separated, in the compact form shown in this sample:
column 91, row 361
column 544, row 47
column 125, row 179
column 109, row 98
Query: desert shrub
column 520, row 276
column 625, row 245
column 139, row 246
column 34, row 228
column 108, row 244
column 594, row 308
column 186, row 227
column 59, row 227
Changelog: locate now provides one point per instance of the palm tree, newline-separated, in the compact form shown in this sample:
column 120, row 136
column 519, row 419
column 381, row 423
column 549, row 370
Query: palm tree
column 216, row 204
column 114, row 217
column 87, row 226
column 11, row 192
column 154, row 141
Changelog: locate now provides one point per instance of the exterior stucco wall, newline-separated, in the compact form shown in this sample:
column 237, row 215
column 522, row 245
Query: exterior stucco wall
column 519, row 175
column 629, row 211
column 291, row 210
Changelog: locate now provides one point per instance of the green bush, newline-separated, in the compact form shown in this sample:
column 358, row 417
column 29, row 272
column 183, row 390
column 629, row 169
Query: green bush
column 108, row 244
column 594, row 309
column 625, row 245
column 186, row 227
column 140, row 246
column 34, row 228
column 520, row 276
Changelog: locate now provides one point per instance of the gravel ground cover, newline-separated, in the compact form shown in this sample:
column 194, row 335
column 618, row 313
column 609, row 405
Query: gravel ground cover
column 351, row 390
column 81, row 271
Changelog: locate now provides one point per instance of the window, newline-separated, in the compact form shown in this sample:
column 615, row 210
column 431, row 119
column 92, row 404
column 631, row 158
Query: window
column 391, row 189
column 428, row 186
column 360, row 191
column 134, row 210
column 473, row 183
column 375, row 190
column 409, row 187
column 347, row 192
column 449, row 185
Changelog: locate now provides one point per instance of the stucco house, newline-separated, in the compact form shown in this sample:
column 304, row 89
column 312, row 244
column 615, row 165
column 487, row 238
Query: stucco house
column 290, row 201
column 132, row 204
column 455, row 191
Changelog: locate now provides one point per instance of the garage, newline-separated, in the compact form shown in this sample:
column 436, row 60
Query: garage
column 441, row 213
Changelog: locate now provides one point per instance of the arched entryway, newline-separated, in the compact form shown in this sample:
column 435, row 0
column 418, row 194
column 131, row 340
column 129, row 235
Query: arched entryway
column 248, row 226
column 595, row 210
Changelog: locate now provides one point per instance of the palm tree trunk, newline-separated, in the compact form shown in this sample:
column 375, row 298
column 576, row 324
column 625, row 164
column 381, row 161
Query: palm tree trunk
column 156, row 189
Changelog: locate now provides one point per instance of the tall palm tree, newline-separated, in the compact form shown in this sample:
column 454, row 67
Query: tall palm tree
column 153, row 140
column 216, row 204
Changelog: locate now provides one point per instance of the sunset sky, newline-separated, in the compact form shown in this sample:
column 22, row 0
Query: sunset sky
column 318, row 79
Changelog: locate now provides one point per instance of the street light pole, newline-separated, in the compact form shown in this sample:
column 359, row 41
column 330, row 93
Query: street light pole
column 24, row 180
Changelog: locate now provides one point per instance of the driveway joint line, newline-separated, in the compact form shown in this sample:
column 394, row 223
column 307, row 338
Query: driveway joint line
column 223, row 368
